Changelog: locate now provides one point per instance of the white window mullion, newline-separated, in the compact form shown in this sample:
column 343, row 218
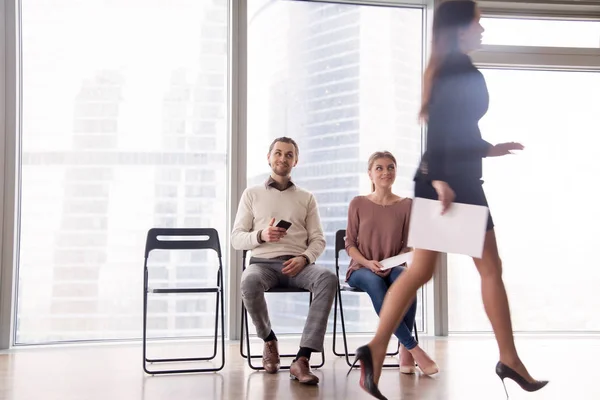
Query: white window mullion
column 520, row 57
column 9, row 132
column 548, row 8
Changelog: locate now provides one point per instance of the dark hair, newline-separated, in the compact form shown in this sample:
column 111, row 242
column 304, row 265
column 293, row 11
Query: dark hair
column 285, row 139
column 376, row 156
column 448, row 19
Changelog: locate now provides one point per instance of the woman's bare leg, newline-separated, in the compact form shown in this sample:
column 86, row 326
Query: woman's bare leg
column 396, row 303
column 496, row 305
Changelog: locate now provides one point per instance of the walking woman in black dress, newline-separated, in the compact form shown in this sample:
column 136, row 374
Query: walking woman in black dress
column 455, row 98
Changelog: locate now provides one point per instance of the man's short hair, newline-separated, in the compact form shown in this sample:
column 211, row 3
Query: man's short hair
column 285, row 139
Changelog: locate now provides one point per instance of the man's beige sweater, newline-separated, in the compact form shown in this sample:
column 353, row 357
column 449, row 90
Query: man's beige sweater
column 261, row 203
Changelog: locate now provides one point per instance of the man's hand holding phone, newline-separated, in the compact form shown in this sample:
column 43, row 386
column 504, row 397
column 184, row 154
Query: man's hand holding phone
column 272, row 233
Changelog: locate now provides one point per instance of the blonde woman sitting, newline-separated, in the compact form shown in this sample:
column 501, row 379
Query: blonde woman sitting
column 378, row 229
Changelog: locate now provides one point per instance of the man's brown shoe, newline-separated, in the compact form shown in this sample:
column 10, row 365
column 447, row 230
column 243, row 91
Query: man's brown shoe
column 300, row 370
column 271, row 357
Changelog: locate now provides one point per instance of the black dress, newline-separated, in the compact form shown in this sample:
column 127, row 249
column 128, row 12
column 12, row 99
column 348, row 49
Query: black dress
column 455, row 149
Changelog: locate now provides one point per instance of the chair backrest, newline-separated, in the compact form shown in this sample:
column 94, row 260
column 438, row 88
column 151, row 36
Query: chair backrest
column 340, row 242
column 244, row 253
column 193, row 239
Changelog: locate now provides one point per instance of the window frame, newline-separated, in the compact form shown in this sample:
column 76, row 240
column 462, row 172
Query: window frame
column 382, row 3
column 9, row 112
column 548, row 58
column 541, row 9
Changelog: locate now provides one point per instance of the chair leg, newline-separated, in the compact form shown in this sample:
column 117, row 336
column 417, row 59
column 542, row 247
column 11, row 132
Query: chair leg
column 247, row 339
column 242, row 352
column 416, row 332
column 335, row 312
column 222, row 328
column 145, row 318
column 347, row 354
column 316, row 366
column 216, row 343
column 395, row 353
column 343, row 323
column 220, row 314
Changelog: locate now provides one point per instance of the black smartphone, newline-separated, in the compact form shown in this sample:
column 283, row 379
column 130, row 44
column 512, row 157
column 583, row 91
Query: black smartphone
column 283, row 224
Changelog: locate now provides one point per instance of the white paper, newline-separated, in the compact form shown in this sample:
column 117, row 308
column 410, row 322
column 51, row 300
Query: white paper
column 460, row 231
column 396, row 260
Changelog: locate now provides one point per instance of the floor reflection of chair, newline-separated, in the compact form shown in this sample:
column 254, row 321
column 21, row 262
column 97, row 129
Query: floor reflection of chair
column 160, row 387
column 269, row 383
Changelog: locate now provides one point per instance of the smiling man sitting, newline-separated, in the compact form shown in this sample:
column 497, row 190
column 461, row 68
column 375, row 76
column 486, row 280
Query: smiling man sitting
column 284, row 258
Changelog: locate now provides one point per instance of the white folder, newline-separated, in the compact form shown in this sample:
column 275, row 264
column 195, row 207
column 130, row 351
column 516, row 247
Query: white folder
column 396, row 260
column 461, row 230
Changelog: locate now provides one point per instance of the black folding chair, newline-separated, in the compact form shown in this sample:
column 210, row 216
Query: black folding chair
column 170, row 239
column 245, row 333
column 340, row 245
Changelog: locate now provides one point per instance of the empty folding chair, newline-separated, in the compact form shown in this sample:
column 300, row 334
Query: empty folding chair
column 186, row 239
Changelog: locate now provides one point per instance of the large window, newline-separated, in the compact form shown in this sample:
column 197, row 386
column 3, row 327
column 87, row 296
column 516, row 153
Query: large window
column 543, row 203
column 124, row 129
column 343, row 81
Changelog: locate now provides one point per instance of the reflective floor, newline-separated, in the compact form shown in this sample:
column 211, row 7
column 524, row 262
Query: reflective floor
column 111, row 372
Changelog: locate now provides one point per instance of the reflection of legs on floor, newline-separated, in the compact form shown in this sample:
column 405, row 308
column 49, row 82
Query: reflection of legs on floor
column 270, row 387
column 303, row 392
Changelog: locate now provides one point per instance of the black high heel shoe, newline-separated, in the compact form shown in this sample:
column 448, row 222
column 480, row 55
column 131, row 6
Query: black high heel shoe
column 367, row 374
column 504, row 371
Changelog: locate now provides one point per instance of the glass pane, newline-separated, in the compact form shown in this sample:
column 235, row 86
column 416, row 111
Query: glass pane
column 124, row 129
column 545, row 215
column 541, row 32
column 343, row 81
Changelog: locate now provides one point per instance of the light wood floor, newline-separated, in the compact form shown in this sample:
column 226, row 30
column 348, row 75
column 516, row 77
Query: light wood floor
column 114, row 372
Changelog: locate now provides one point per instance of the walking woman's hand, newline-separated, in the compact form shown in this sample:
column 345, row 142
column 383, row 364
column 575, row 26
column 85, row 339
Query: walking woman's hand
column 445, row 194
column 503, row 149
